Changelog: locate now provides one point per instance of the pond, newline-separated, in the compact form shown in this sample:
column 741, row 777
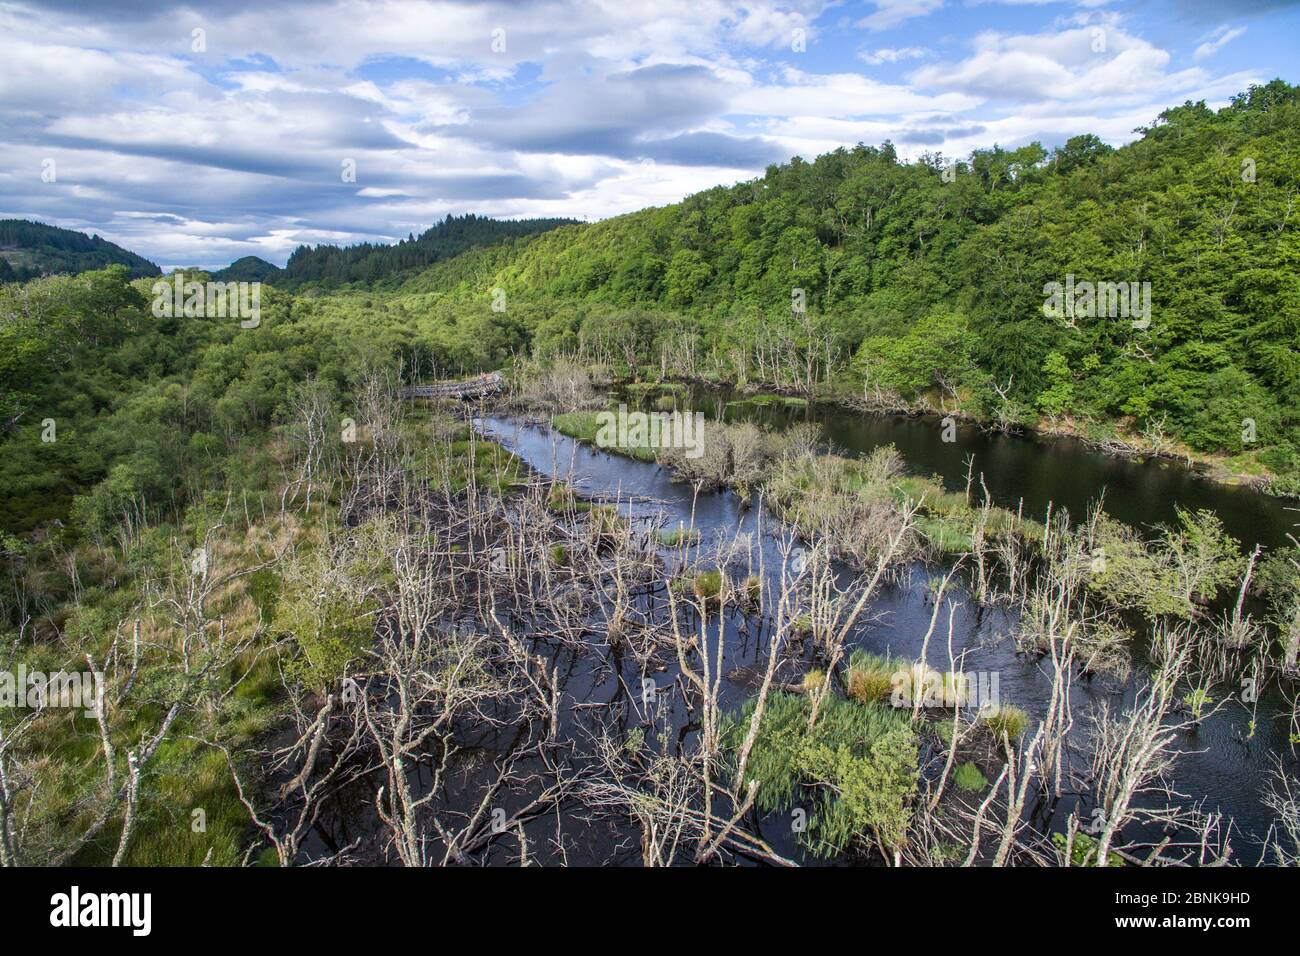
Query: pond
column 1223, row 763
column 1028, row 470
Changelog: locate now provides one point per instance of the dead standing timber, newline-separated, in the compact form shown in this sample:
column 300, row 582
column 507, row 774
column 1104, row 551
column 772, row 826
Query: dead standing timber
column 506, row 617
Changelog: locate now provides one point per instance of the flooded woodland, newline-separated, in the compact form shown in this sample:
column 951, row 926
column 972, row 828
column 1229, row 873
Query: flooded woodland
column 824, row 637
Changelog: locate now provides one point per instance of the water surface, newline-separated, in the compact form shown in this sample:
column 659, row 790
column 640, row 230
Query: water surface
column 1222, row 765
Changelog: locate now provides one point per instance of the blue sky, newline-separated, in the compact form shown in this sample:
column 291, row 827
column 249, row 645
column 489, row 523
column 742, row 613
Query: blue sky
column 195, row 133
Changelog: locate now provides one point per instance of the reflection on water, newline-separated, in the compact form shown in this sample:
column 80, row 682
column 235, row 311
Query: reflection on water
column 1223, row 763
column 1024, row 469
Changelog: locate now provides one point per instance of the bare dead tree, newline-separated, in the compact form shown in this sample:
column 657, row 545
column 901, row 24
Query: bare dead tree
column 1133, row 751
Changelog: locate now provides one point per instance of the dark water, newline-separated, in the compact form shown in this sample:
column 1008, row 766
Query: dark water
column 1222, row 765
column 1032, row 472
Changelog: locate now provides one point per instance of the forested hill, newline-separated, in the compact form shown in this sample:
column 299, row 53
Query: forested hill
column 369, row 262
column 248, row 269
column 30, row 249
column 932, row 275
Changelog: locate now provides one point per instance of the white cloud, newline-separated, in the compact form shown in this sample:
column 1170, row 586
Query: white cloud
column 893, row 55
column 1219, row 39
column 595, row 107
column 1082, row 63
column 839, row 95
column 890, row 13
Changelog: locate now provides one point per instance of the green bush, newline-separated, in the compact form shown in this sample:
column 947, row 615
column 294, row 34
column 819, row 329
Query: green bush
column 1008, row 720
column 708, row 585
column 1084, row 851
column 969, row 778
column 857, row 766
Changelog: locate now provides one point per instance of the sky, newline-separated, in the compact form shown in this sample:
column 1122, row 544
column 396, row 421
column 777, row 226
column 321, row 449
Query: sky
column 197, row 133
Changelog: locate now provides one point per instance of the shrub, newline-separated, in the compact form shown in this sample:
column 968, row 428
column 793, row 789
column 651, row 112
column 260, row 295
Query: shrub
column 969, row 778
column 1190, row 562
column 329, row 625
column 870, row 677
column 859, row 761
column 1084, row 851
column 1008, row 720
column 708, row 585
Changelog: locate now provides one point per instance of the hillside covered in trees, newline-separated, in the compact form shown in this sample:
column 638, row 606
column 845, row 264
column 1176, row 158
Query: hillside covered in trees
column 371, row 262
column 31, row 249
column 924, row 282
column 928, row 278
column 248, row 269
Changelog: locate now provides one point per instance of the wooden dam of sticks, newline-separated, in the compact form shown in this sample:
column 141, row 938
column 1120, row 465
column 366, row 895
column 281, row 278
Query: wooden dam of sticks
column 480, row 386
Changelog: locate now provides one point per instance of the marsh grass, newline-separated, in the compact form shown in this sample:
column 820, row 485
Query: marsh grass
column 584, row 426
column 969, row 778
column 856, row 767
column 1007, row 720
column 708, row 585
column 852, row 502
column 870, row 677
column 679, row 537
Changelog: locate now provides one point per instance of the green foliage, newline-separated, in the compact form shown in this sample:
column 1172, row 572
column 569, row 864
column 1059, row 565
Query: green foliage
column 936, row 351
column 370, row 262
column 1196, row 700
column 325, row 605
column 969, row 777
column 1007, row 721
column 1187, row 564
column 857, row 764
column 1058, row 397
column 330, row 633
column 31, row 249
column 247, row 269
column 1084, row 850
column 1277, row 578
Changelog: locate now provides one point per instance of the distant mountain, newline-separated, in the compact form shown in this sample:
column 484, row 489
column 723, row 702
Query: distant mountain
column 248, row 269
column 372, row 262
column 31, row 249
